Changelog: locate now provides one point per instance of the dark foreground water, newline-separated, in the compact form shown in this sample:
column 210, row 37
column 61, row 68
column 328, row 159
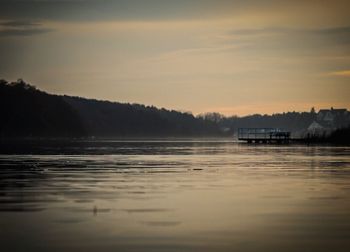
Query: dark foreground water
column 174, row 196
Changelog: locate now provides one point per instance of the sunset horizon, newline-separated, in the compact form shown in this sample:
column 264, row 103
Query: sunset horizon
column 241, row 111
column 233, row 57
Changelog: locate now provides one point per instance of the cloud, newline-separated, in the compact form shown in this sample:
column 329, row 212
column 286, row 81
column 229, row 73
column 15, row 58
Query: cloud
column 19, row 23
column 331, row 31
column 23, row 32
column 92, row 10
column 344, row 73
column 335, row 30
column 292, row 39
column 260, row 31
column 21, row 28
column 88, row 10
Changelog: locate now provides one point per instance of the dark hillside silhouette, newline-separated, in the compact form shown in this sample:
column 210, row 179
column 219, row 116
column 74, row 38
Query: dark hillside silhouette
column 108, row 119
column 291, row 121
column 28, row 112
column 295, row 122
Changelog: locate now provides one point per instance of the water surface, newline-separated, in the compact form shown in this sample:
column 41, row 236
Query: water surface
column 173, row 195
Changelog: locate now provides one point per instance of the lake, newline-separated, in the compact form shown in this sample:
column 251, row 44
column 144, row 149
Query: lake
column 173, row 195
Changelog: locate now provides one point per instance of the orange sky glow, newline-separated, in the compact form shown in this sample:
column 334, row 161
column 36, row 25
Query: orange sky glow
column 232, row 57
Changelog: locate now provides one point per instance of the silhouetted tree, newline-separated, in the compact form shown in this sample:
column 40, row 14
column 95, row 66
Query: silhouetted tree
column 312, row 111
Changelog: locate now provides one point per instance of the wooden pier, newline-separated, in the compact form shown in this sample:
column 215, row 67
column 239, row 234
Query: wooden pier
column 263, row 135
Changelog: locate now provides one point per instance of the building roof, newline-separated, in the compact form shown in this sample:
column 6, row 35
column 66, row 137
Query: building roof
column 315, row 126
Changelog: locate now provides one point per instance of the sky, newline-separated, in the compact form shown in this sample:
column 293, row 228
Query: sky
column 235, row 57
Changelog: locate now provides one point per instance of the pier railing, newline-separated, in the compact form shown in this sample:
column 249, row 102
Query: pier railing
column 263, row 135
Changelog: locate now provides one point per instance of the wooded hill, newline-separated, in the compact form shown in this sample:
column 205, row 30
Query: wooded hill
column 29, row 112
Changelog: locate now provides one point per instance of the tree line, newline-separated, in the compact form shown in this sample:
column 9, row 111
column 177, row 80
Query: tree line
column 28, row 112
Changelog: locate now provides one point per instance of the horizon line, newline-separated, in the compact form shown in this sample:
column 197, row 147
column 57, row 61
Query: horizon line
column 22, row 81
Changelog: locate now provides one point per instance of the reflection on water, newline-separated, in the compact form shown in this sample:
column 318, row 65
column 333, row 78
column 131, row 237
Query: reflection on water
column 174, row 196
